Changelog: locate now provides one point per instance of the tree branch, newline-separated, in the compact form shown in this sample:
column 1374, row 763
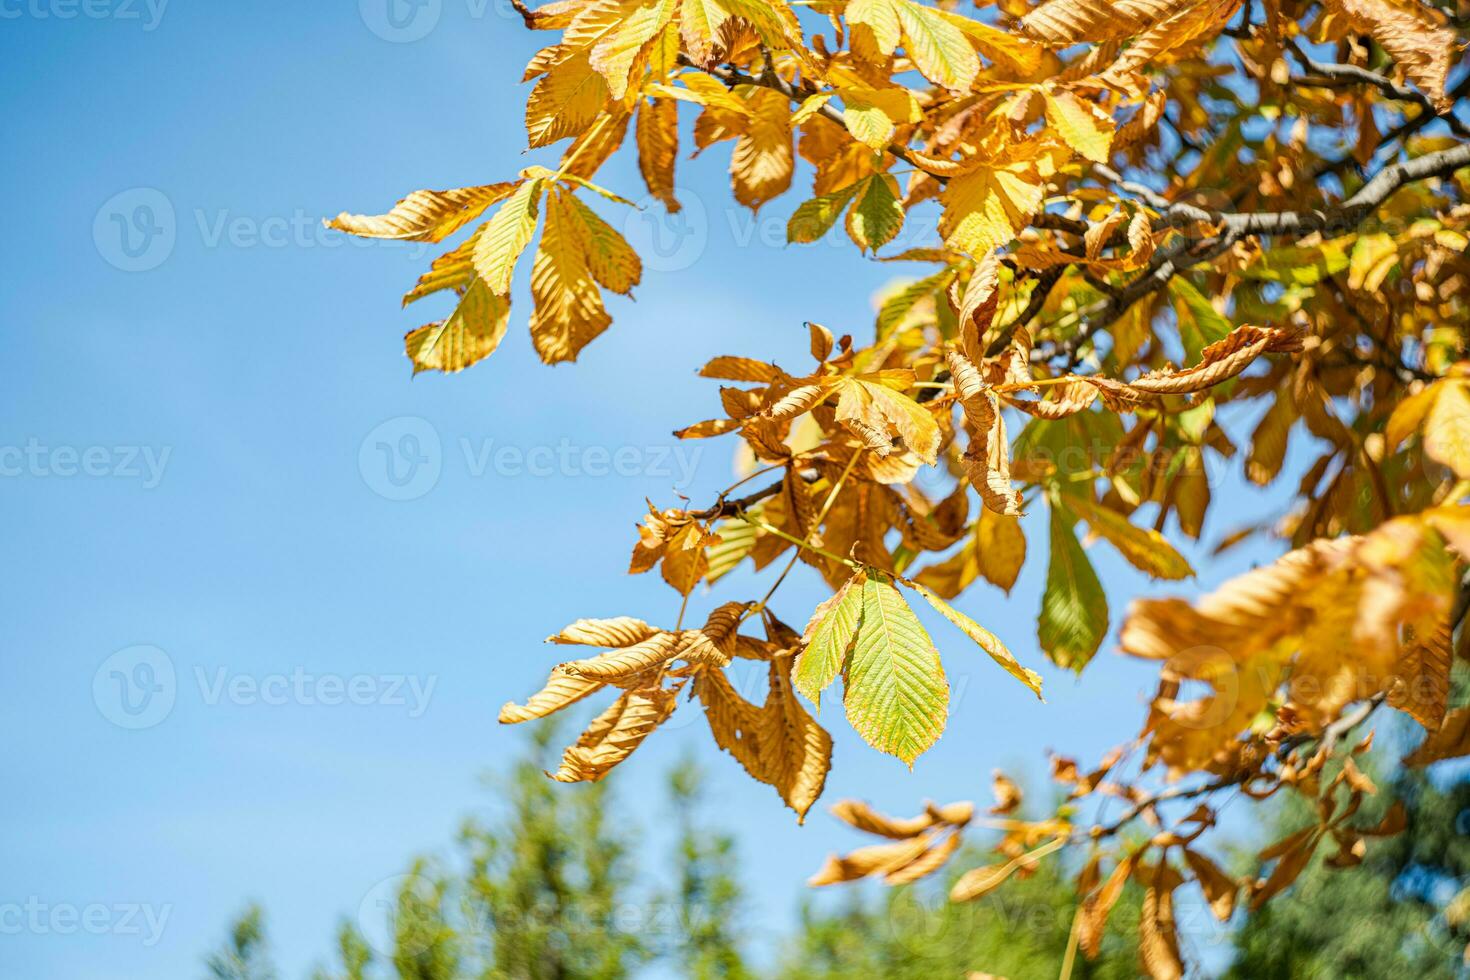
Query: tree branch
column 1235, row 226
column 734, row 76
column 1352, row 74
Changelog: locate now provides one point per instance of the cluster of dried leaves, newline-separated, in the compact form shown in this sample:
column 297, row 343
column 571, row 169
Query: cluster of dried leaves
column 1282, row 220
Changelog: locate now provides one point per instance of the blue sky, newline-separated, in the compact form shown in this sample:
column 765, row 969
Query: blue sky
column 193, row 483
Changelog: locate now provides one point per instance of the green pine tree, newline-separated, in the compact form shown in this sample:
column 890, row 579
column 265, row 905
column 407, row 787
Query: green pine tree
column 244, row 955
column 1393, row 916
column 708, row 894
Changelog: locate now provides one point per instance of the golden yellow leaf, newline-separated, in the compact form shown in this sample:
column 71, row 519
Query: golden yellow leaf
column 470, row 334
column 987, row 207
column 1146, row 549
column 566, row 101
column 870, row 407
column 626, row 665
column 569, row 311
column 1064, row 22
column 657, row 136
column 1221, row 360
column 931, row 860
column 986, row 640
column 614, row 54
column 425, row 216
column 561, row 690
column 621, row 631
column 1092, row 918
column 614, row 734
column 1220, row 889
column 865, row 818
column 872, row 860
column 1450, row 741
column 1415, row 36
column 763, row 160
column 1447, row 427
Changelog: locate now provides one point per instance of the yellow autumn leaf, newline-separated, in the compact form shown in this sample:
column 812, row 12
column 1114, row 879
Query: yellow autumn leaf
column 470, row 334
column 1084, row 127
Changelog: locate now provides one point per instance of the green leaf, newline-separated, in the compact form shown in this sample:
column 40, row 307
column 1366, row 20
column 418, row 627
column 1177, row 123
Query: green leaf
column 897, row 306
column 1146, row 549
column 1299, row 264
column 828, row 638
column 1074, row 610
column 895, row 692
column 987, row 641
column 1200, row 324
column 876, row 215
column 815, row 218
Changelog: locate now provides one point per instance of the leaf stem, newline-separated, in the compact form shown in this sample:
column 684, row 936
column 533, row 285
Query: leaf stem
column 816, row 523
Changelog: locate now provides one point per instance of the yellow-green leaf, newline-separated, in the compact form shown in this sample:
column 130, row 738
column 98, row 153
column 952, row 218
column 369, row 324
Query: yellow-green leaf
column 815, row 218
column 895, row 691
column 876, row 216
column 828, row 638
column 937, row 47
column 880, row 17
column 1082, row 125
column 499, row 244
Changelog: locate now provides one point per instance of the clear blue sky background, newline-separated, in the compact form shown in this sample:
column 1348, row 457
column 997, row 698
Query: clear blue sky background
column 259, row 353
